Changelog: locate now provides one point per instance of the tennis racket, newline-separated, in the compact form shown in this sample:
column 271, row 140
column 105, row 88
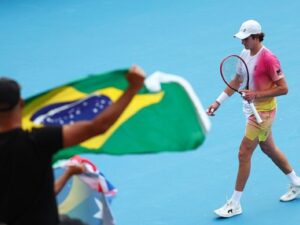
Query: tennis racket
column 235, row 74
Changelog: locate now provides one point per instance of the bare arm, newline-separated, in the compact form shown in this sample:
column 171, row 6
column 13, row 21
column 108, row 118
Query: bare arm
column 280, row 88
column 62, row 180
column 235, row 83
column 78, row 132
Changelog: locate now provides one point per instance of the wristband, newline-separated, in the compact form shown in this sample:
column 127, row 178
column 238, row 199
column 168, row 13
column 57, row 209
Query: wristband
column 222, row 97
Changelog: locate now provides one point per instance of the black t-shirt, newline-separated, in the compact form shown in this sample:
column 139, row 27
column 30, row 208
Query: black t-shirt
column 26, row 186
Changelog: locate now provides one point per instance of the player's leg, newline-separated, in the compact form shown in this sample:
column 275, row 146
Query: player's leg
column 233, row 206
column 270, row 149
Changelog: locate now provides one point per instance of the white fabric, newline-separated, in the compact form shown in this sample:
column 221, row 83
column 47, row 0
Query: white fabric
column 250, row 62
column 222, row 97
column 247, row 28
column 236, row 196
column 295, row 180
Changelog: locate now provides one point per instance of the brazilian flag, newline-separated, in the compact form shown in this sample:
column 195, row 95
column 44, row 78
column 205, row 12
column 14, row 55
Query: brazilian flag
column 166, row 114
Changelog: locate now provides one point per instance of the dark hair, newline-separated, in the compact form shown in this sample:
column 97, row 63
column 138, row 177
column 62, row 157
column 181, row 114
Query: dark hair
column 260, row 36
column 9, row 94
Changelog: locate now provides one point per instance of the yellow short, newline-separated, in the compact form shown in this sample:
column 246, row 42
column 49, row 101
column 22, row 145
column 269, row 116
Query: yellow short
column 260, row 131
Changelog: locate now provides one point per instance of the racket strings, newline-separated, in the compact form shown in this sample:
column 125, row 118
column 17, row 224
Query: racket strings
column 234, row 72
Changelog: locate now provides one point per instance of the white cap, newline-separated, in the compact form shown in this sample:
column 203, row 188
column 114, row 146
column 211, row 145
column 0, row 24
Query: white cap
column 248, row 27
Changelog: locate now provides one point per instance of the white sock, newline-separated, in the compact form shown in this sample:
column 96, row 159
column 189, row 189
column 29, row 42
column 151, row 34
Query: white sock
column 295, row 180
column 236, row 197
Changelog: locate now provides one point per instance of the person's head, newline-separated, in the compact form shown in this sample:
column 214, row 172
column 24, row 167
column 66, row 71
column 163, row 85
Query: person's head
column 9, row 94
column 250, row 33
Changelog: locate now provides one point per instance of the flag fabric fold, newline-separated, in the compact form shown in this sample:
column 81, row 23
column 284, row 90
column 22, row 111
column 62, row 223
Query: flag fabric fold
column 166, row 114
column 86, row 196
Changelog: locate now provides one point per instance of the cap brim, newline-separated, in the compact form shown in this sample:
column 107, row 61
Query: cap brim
column 241, row 35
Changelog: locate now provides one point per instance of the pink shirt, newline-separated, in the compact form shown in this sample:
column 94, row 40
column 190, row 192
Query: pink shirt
column 264, row 71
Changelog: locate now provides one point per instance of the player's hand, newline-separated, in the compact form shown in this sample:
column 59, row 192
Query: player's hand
column 212, row 109
column 248, row 95
column 136, row 77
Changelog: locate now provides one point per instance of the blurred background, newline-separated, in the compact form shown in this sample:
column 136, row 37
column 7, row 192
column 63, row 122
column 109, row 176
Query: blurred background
column 47, row 43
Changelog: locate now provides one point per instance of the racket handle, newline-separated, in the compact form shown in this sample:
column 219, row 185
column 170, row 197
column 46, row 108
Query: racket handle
column 257, row 116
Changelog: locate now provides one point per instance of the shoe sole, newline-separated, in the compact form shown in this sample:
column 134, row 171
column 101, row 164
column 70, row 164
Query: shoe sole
column 229, row 215
column 283, row 200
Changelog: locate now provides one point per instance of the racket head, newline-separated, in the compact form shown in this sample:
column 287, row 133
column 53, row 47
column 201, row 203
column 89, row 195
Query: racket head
column 235, row 73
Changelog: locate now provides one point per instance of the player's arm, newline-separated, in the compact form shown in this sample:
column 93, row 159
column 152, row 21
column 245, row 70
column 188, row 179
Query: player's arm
column 223, row 96
column 76, row 133
column 280, row 88
column 235, row 83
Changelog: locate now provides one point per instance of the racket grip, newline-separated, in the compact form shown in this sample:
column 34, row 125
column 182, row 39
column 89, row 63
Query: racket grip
column 257, row 116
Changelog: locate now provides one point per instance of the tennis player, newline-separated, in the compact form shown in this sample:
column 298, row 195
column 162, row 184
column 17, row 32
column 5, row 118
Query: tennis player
column 267, row 81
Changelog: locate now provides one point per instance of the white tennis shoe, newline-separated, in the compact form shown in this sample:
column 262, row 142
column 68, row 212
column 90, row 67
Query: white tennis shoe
column 292, row 193
column 229, row 209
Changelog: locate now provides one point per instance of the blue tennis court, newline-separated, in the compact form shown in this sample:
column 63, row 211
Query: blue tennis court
column 51, row 42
